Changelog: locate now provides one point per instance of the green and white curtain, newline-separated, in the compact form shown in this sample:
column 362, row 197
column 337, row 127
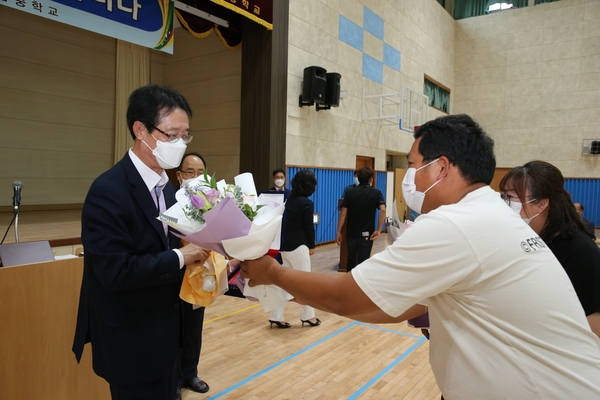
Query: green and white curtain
column 474, row 8
column 438, row 97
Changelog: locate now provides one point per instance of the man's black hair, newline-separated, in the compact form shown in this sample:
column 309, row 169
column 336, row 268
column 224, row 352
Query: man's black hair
column 463, row 141
column 149, row 104
column 278, row 170
column 364, row 175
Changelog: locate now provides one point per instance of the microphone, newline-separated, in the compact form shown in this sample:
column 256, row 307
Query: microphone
column 17, row 186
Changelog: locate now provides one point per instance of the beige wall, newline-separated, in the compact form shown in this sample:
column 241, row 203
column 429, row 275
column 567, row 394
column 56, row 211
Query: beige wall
column 531, row 77
column 56, row 108
column 420, row 29
column 209, row 76
column 57, row 105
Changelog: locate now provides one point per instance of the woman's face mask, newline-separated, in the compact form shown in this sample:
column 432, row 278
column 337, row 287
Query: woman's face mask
column 517, row 207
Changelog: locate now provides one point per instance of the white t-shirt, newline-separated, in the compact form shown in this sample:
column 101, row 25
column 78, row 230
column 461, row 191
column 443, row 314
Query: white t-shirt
column 505, row 320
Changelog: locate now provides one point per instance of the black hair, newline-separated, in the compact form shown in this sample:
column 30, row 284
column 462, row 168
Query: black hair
column 463, row 141
column 304, row 183
column 364, row 175
column 278, row 170
column 149, row 104
column 544, row 181
column 186, row 155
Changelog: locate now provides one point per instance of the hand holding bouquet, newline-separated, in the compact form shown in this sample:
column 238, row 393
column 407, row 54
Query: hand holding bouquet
column 228, row 219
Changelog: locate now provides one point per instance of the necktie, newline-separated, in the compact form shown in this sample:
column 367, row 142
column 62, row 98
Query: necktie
column 160, row 204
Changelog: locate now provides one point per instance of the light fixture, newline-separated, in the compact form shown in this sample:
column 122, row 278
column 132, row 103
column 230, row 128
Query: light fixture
column 316, row 218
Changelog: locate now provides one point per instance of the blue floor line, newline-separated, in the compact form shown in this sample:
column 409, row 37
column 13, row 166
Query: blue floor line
column 386, row 369
column 286, row 359
column 381, row 328
column 367, row 385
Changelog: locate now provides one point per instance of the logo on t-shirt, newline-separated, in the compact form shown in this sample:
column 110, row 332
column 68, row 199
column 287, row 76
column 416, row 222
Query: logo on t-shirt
column 534, row 243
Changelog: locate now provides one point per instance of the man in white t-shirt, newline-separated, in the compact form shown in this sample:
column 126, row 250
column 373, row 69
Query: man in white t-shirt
column 505, row 320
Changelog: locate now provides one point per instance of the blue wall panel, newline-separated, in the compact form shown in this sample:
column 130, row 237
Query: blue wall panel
column 330, row 186
column 586, row 192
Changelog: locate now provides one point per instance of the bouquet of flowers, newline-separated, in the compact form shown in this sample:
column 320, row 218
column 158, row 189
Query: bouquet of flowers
column 232, row 221
column 395, row 228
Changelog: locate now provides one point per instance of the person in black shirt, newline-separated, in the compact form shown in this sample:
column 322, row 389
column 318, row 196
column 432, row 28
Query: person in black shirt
column 355, row 183
column 358, row 208
column 298, row 240
column 589, row 226
column 536, row 191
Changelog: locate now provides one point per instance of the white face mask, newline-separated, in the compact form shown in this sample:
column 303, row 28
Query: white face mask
column 186, row 181
column 413, row 198
column 168, row 154
column 279, row 182
column 517, row 207
column 356, row 182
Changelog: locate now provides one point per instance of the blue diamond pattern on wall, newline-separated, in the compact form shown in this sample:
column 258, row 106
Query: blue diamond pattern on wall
column 354, row 35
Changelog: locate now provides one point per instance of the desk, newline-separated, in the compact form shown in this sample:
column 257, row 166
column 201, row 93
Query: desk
column 38, row 310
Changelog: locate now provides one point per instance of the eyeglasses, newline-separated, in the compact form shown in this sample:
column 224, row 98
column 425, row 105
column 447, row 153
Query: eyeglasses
column 191, row 174
column 170, row 137
column 513, row 199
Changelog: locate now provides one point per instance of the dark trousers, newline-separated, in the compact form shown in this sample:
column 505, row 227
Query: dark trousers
column 192, row 322
column 159, row 389
column 359, row 249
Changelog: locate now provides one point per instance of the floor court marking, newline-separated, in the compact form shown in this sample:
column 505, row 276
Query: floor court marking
column 231, row 313
column 324, row 339
column 387, row 369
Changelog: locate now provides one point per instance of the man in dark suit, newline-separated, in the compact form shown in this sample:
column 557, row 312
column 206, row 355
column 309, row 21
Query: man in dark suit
column 129, row 307
column 192, row 166
column 279, row 183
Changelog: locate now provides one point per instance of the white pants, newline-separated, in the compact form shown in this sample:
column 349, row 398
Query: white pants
column 299, row 260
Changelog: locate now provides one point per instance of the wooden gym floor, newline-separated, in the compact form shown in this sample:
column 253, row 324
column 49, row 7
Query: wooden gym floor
column 242, row 358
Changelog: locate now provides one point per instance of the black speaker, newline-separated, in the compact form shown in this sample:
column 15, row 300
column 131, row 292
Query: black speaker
column 314, row 84
column 595, row 147
column 332, row 91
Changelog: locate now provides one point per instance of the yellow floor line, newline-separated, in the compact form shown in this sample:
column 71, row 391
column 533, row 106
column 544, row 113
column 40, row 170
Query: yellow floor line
column 232, row 313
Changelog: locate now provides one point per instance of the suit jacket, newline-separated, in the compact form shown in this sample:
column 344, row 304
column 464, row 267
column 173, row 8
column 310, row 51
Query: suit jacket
column 129, row 307
column 298, row 228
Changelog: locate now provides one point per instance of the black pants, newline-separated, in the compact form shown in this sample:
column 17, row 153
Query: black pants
column 359, row 249
column 159, row 389
column 192, row 323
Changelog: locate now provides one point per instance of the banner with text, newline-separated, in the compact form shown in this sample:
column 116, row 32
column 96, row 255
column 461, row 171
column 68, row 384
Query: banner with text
column 148, row 23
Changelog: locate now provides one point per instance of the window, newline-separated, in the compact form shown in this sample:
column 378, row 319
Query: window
column 439, row 97
column 499, row 6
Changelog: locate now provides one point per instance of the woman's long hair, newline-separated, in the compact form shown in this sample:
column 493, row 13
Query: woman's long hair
column 544, row 181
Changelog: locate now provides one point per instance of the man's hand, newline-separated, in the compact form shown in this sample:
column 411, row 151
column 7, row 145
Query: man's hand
column 259, row 271
column 311, row 251
column 338, row 239
column 232, row 264
column 194, row 254
column 375, row 235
